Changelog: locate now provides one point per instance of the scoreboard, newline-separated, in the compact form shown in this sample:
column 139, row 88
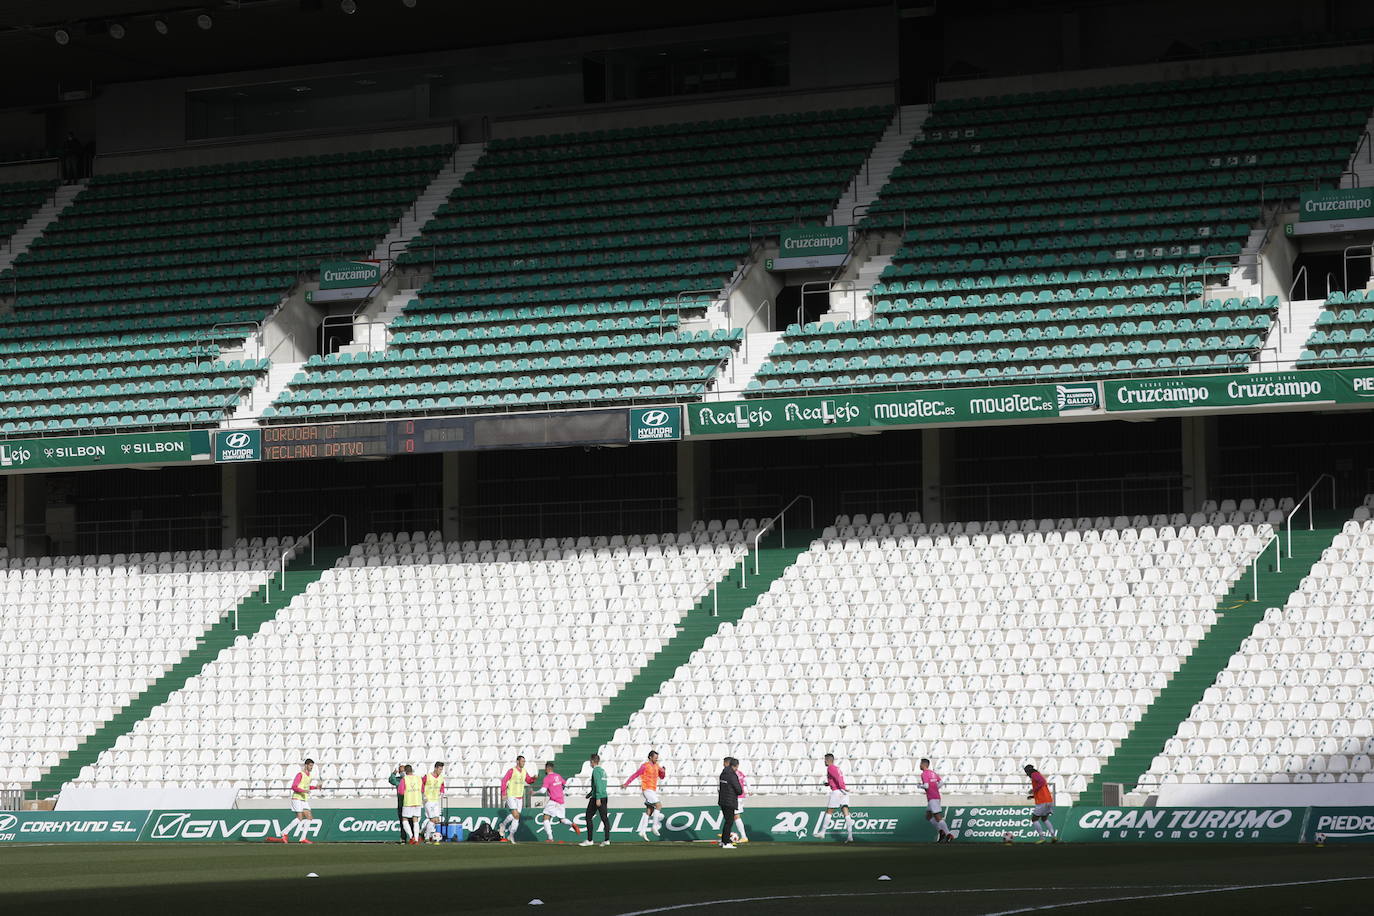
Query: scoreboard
column 381, row 438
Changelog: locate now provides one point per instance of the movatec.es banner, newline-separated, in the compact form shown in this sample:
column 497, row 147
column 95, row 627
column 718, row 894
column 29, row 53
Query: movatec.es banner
column 897, row 408
column 104, row 451
column 71, row 827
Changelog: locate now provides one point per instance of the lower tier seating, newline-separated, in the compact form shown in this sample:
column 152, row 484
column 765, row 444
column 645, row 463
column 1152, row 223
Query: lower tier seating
column 82, row 636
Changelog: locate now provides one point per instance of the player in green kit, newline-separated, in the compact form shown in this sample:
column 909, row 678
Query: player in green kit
column 598, row 801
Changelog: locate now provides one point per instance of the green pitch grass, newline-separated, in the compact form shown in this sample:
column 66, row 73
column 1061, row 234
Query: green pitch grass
column 257, row 878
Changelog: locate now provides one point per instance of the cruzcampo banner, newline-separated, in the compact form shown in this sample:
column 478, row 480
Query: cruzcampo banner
column 806, row 248
column 897, row 408
column 348, row 274
column 1340, row 825
column 71, row 827
column 104, row 451
column 1184, row 825
column 1339, row 205
column 1257, row 389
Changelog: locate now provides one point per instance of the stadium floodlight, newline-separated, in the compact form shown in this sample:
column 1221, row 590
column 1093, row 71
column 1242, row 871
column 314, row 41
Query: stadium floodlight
column 348, row 6
column 116, row 30
column 205, row 22
column 161, row 26
column 408, row 4
column 62, row 37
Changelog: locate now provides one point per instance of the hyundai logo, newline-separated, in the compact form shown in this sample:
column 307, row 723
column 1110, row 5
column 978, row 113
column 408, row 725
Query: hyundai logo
column 654, row 418
column 236, row 440
column 7, row 822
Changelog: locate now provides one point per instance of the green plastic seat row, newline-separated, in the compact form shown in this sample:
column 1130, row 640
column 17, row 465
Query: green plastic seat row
column 481, row 364
column 1328, row 357
column 936, row 320
column 42, row 411
column 496, row 401
column 113, row 422
column 249, row 167
column 457, row 384
column 1036, row 372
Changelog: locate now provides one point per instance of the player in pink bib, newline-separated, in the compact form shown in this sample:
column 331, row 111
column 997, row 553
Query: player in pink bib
column 931, row 782
column 553, row 786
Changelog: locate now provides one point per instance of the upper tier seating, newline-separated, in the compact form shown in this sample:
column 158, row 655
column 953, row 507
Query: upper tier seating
column 1344, row 333
column 560, row 260
column 891, row 640
column 403, row 651
column 18, row 202
column 1296, row 703
column 1069, row 234
column 81, row 636
column 127, row 300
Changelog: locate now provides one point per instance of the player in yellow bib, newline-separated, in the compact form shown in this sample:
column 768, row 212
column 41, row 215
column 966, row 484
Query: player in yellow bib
column 432, row 790
column 300, row 806
column 411, row 790
column 513, row 790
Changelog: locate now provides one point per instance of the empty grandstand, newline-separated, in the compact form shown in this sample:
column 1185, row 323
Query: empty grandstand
column 985, row 385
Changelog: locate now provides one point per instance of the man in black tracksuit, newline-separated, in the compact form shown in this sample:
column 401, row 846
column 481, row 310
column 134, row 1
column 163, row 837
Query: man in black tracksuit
column 730, row 791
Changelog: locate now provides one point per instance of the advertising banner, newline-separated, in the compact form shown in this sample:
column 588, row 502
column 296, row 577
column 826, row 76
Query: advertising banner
column 800, row 249
column 104, row 451
column 1343, row 204
column 74, row 827
column 897, row 408
column 349, row 274
column 1261, row 389
column 655, row 424
column 1184, row 825
column 235, row 445
column 992, row 823
column 1340, row 825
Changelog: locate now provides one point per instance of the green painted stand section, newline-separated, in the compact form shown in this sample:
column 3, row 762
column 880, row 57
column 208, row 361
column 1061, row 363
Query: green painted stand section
column 254, row 611
column 696, row 627
column 1237, row 614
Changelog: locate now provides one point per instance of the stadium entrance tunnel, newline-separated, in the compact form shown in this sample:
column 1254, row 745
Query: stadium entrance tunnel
column 1327, row 270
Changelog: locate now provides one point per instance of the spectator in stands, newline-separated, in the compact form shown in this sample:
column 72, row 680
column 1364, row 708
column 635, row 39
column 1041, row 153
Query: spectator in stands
column 728, row 799
column 72, row 154
column 395, row 780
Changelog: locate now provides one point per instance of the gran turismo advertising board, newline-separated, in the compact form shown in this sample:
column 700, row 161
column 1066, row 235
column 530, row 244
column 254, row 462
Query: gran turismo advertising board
column 877, row 824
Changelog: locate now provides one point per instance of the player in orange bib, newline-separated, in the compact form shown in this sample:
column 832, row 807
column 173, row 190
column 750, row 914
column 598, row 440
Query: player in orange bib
column 1044, row 805
column 648, row 774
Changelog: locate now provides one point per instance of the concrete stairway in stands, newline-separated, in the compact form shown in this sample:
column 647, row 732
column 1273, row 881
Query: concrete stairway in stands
column 253, row 612
column 1237, row 614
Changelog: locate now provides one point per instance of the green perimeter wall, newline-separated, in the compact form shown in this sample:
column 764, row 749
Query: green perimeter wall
column 885, row 824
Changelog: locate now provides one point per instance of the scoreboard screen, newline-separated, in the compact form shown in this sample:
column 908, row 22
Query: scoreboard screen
column 326, row 440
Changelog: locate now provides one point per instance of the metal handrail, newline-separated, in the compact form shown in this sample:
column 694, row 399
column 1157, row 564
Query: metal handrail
column 1329, row 277
column 1364, row 144
column 1346, row 259
column 677, row 301
column 1300, row 275
column 782, row 525
column 240, row 324
column 752, row 316
column 294, row 544
column 1254, row 565
column 1307, row 498
column 828, row 287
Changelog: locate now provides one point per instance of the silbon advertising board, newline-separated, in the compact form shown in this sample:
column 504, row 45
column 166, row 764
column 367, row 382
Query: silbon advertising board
column 104, row 451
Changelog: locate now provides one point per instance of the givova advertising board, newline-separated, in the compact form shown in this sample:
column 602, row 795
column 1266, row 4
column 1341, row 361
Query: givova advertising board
column 379, row 825
column 74, row 827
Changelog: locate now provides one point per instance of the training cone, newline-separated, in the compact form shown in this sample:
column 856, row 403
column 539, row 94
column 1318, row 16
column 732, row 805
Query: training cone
column 312, row 875
column 536, row 902
column 884, row 878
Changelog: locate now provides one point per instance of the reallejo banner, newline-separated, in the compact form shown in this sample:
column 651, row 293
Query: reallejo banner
column 898, row 408
column 104, row 451
column 75, row 827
